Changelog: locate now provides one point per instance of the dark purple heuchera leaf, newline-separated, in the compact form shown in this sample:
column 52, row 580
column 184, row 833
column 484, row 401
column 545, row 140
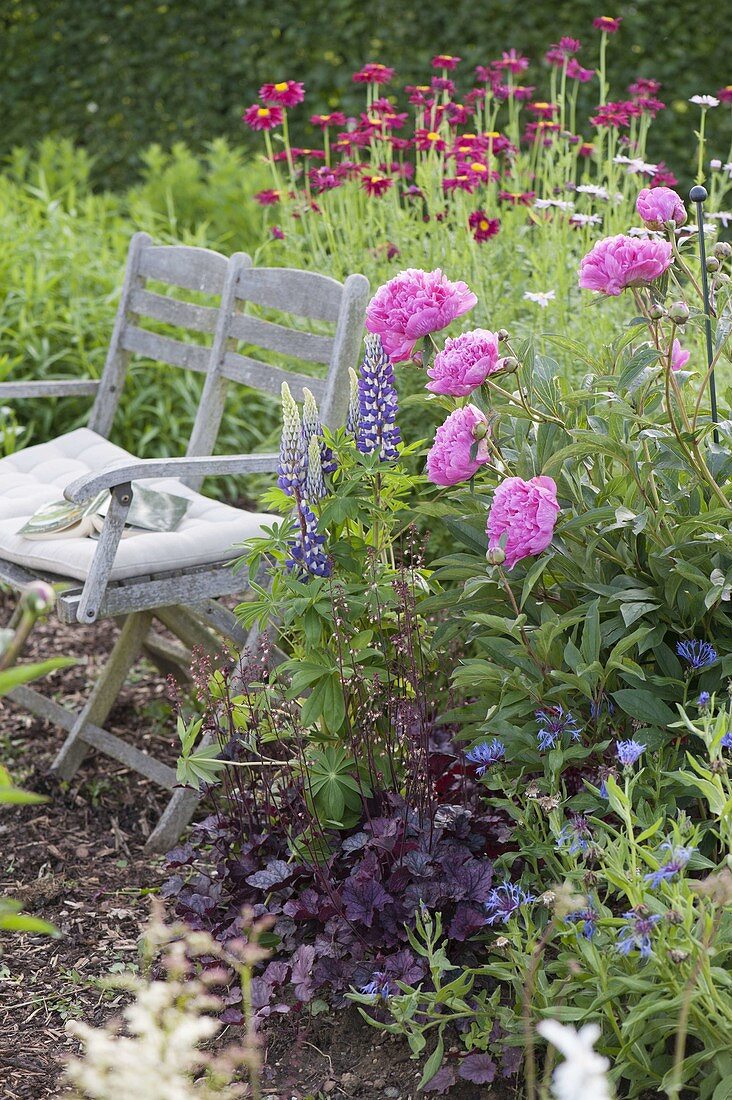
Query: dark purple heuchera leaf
column 181, row 856
column 276, row 873
column 478, row 1068
column 465, row 879
column 512, row 1059
column 364, row 897
column 443, row 1080
column 466, row 922
column 405, row 967
column 309, row 905
column 302, row 972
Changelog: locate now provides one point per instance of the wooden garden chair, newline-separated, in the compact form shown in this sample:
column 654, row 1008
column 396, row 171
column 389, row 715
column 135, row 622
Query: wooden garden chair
column 175, row 577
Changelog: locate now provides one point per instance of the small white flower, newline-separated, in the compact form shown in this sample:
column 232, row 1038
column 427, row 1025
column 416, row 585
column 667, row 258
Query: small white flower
column 544, row 204
column 586, row 219
column 704, row 101
column 583, row 1075
column 593, row 189
column 715, row 163
column 636, row 165
column 723, row 216
column 542, row 298
column 643, row 231
column 728, row 169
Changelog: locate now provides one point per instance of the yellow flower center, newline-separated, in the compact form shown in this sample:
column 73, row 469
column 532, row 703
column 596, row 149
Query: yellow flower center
column 432, row 136
column 263, row 112
column 376, row 179
column 542, row 105
column 476, row 166
column 483, row 224
column 492, row 134
column 282, row 87
column 468, row 137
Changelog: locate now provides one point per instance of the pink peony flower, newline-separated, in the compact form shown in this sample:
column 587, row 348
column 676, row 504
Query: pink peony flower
column 619, row 262
column 464, row 363
column 658, row 205
column 679, row 357
column 413, row 304
column 525, row 513
column 449, row 458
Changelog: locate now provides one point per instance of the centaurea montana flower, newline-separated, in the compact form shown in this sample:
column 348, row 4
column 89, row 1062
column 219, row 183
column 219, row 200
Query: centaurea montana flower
column 588, row 916
column 726, row 742
column 504, row 901
column 553, row 723
column 378, row 403
column 696, row 653
column 576, row 835
column 628, row 752
column 703, row 700
column 636, row 934
column 379, row 986
column 679, row 856
column 485, row 754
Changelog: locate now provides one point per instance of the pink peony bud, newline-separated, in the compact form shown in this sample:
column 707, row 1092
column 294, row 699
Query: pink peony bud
column 457, row 453
column 679, row 357
column 658, row 205
column 522, row 517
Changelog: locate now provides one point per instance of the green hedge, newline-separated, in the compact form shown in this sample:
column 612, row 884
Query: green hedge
column 116, row 76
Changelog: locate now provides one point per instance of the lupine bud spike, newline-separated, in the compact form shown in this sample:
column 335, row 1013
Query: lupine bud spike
column 314, row 484
column 292, row 452
column 353, row 404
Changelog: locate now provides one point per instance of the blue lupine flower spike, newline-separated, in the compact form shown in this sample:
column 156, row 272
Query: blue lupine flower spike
column 378, row 404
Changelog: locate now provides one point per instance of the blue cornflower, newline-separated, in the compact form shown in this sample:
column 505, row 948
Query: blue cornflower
column 504, row 901
column 597, row 706
column 589, row 918
column 379, row 986
column 726, row 741
column 637, row 933
column 307, row 553
column 679, row 857
column 698, row 654
column 703, row 700
column 576, row 834
column 553, row 723
column 628, row 752
column 378, row 403
column 485, row 754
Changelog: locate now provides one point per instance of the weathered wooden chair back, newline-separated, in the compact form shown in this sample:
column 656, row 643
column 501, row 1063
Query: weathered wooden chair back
column 178, row 267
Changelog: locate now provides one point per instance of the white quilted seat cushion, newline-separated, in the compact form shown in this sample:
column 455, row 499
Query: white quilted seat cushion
column 208, row 533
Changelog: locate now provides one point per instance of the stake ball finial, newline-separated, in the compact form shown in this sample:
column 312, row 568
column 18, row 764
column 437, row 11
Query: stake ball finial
column 698, row 193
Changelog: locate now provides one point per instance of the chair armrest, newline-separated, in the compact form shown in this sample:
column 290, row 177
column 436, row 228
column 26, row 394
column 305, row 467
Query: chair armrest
column 120, row 473
column 63, row 387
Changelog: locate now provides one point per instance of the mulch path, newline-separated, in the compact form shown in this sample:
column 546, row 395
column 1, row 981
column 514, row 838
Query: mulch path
column 77, row 861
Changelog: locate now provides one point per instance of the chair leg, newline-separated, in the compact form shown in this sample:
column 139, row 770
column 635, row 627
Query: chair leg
column 173, row 821
column 104, row 693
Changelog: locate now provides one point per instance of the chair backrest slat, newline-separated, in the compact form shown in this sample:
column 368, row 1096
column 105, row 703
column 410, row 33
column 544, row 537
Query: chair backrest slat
column 286, row 341
column 172, row 311
column 304, row 293
column 184, row 266
column 165, row 349
column 263, row 376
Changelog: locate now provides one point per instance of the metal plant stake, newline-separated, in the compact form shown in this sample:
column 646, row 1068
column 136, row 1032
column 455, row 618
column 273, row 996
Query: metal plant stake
column 698, row 195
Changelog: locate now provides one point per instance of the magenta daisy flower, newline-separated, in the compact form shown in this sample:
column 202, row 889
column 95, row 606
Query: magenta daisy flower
column 262, row 118
column 287, row 93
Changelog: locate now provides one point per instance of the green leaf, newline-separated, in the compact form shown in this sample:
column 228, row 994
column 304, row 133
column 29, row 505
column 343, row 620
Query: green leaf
column 433, row 1063
column 644, row 706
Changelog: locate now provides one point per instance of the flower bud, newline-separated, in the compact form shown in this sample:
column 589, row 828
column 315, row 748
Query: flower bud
column 38, row 598
column 509, row 364
column 723, row 250
column 712, row 264
column 679, row 312
column 677, row 956
column 496, row 556
column 480, row 429
column 722, row 278
column 674, row 917
column 502, row 335
column 656, row 311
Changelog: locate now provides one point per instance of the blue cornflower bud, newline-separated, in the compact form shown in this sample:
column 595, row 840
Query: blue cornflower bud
column 703, row 700
column 378, row 403
column 292, row 462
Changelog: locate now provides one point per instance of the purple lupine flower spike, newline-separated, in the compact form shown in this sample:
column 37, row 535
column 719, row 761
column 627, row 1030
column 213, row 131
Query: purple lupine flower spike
column 353, row 404
column 314, row 483
column 307, row 552
column 378, row 403
column 312, row 426
column 292, row 465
